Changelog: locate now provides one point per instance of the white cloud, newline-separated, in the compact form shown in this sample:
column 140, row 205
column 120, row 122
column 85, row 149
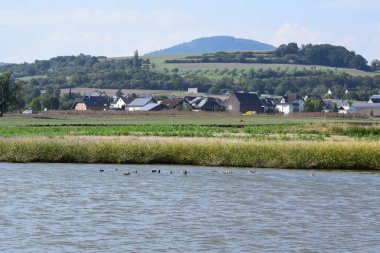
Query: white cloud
column 293, row 32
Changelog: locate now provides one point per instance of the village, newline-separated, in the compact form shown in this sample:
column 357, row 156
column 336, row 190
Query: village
column 248, row 103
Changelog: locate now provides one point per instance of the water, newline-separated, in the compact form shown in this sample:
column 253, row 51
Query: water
column 77, row 208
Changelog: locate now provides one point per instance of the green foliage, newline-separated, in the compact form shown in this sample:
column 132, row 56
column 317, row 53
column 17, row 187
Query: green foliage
column 9, row 92
column 325, row 55
column 313, row 105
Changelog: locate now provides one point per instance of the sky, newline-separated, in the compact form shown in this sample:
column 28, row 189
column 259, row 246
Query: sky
column 42, row 29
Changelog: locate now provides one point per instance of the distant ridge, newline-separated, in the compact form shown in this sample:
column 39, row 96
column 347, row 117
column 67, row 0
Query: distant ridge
column 3, row 63
column 215, row 44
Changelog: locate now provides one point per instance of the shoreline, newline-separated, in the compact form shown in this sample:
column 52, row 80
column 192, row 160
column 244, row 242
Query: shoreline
column 323, row 155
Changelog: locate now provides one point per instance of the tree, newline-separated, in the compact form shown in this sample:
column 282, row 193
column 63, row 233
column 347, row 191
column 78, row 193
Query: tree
column 119, row 93
column 48, row 101
column 313, row 105
column 136, row 60
column 35, row 104
column 9, row 92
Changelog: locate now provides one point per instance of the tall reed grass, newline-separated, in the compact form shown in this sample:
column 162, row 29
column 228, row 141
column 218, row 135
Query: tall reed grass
column 345, row 155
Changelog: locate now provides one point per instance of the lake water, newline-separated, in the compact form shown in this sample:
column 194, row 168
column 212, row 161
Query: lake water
column 77, row 208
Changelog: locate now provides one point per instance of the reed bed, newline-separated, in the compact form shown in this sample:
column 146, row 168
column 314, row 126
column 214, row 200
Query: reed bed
column 344, row 155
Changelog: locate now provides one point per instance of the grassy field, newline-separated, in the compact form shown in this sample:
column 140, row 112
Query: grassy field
column 216, row 139
column 159, row 61
column 170, row 118
column 283, row 132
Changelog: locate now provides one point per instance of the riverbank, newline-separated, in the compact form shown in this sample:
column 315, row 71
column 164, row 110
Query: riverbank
column 337, row 155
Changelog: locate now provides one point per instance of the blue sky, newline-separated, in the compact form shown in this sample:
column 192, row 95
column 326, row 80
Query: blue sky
column 41, row 29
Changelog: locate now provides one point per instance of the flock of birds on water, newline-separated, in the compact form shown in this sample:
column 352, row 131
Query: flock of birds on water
column 225, row 172
column 184, row 172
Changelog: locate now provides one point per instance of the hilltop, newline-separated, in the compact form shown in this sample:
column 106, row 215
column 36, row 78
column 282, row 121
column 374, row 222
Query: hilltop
column 215, row 44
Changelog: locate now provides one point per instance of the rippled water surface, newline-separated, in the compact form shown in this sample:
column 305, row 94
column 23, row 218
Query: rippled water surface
column 77, row 208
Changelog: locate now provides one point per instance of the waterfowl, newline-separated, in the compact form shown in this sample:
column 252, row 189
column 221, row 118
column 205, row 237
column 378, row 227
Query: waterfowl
column 252, row 171
column 126, row 173
column 101, row 170
column 184, row 172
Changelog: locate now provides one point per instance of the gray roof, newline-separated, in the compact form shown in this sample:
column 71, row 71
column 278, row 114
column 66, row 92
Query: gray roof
column 366, row 106
column 375, row 99
column 340, row 103
column 139, row 102
column 93, row 101
column 149, row 106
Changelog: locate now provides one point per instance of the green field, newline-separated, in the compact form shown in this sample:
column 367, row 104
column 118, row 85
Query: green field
column 211, row 139
column 159, row 61
column 168, row 118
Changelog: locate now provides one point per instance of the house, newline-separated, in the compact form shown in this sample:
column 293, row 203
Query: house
column 268, row 105
column 122, row 102
column 153, row 107
column 346, row 110
column 342, row 105
column 139, row 103
column 210, row 104
column 372, row 109
column 375, row 99
column 290, row 104
column 242, row 102
column 173, row 103
column 92, row 101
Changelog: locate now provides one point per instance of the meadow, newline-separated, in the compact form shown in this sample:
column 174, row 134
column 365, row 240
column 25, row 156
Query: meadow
column 283, row 132
column 215, row 139
column 215, row 70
